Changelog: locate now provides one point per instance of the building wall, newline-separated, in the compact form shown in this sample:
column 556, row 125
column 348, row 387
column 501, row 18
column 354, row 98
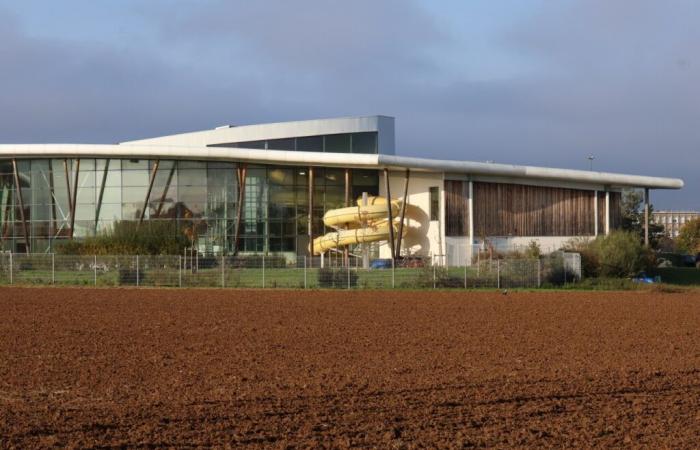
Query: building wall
column 424, row 237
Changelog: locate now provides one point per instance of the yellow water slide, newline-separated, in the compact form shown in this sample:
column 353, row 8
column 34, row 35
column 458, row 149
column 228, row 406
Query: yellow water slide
column 360, row 224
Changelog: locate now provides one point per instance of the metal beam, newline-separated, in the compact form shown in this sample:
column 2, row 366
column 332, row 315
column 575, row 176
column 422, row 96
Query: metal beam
column 311, row 216
column 646, row 217
column 70, row 197
column 102, row 193
column 388, row 214
column 346, row 250
column 241, row 172
column 75, row 198
column 154, row 171
column 18, row 190
column 403, row 213
column 52, row 188
column 165, row 190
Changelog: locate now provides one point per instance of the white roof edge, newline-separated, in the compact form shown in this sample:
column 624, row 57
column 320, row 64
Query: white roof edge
column 477, row 168
column 330, row 159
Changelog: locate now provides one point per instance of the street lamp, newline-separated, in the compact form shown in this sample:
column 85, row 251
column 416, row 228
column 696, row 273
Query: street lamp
column 590, row 160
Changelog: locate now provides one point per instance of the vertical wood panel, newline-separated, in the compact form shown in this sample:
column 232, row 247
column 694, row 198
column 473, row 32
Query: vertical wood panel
column 520, row 210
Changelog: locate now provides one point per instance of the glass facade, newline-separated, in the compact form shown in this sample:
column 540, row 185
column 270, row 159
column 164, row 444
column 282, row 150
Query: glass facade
column 365, row 142
column 192, row 195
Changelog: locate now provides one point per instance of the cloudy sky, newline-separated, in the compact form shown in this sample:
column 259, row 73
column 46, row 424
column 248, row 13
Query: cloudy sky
column 515, row 81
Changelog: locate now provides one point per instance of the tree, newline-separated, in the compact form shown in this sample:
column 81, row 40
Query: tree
column 689, row 237
column 633, row 217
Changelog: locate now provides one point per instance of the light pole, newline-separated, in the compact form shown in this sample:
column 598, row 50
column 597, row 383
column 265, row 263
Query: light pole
column 590, row 160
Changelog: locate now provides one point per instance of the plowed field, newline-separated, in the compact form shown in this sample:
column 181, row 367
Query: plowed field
column 187, row 368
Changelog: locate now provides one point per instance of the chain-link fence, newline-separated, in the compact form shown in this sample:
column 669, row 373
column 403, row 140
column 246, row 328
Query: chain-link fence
column 283, row 272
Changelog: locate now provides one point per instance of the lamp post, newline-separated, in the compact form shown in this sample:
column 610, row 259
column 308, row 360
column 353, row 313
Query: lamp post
column 590, row 161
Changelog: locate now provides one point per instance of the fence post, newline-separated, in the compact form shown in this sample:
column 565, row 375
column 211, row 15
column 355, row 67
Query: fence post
column 179, row 271
column 348, row 274
column 223, row 271
column 498, row 273
column 393, row 274
column 434, row 275
column 539, row 272
column 305, row 285
column 465, row 276
column 95, row 266
column 137, row 270
column 53, row 268
column 11, row 269
column 263, row 274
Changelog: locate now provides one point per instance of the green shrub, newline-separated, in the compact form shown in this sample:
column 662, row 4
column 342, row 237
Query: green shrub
column 127, row 237
column 620, row 254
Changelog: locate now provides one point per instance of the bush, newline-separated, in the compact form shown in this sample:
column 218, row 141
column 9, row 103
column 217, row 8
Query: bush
column 127, row 237
column 620, row 254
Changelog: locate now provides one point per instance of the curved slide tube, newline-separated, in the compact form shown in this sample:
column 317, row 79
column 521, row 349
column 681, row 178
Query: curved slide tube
column 349, row 224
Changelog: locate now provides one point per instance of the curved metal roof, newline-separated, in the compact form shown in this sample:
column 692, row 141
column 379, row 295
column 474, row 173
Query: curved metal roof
column 332, row 160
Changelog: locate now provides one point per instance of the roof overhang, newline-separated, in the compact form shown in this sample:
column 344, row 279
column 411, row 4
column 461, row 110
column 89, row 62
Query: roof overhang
column 253, row 156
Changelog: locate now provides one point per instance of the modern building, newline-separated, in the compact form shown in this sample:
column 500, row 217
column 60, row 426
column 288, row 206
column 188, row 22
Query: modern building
column 255, row 188
column 673, row 221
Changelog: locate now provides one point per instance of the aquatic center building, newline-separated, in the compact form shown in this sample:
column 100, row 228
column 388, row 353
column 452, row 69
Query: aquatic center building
column 265, row 189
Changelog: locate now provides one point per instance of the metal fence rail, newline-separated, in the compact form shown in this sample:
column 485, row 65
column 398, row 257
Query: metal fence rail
column 279, row 272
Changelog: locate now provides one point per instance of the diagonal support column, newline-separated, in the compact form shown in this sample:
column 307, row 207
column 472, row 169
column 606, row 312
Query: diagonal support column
column 20, row 199
column 403, row 213
column 241, row 172
column 154, row 172
column 165, row 190
column 102, row 193
column 389, row 215
column 75, row 198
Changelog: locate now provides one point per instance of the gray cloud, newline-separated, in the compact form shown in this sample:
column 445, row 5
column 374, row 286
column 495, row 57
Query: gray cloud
column 616, row 79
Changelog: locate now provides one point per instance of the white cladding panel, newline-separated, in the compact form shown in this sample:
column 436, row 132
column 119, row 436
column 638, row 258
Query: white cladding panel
column 382, row 124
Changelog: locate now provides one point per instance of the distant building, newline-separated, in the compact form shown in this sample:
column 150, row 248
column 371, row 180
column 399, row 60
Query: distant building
column 673, row 221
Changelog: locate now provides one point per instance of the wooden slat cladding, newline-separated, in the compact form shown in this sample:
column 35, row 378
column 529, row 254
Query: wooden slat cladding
column 520, row 210
column 456, row 208
column 601, row 212
column 615, row 210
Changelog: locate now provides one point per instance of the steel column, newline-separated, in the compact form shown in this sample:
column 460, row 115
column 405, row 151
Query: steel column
column 241, row 173
column 389, row 215
column 311, row 216
column 102, row 192
column 403, row 213
column 165, row 190
column 346, row 251
column 18, row 188
column 154, row 171
column 646, row 217
column 75, row 198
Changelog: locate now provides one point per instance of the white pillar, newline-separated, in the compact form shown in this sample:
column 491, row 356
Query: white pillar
column 595, row 213
column 471, row 222
column 607, row 213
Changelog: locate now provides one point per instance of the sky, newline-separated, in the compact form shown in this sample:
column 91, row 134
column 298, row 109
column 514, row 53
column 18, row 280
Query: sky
column 531, row 82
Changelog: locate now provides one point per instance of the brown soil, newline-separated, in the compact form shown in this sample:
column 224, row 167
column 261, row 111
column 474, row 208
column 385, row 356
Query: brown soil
column 176, row 368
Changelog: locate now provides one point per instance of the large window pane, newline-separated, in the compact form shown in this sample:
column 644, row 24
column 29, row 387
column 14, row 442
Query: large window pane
column 310, row 144
column 364, row 142
column 281, row 144
column 337, row 143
